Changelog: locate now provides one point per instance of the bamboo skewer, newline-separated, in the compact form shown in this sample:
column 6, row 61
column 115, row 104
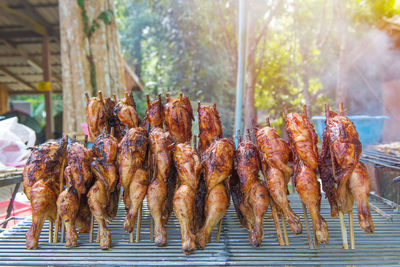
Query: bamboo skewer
column 62, row 232
column 285, row 229
column 151, row 229
column 98, row 235
column 219, row 230
column 306, row 221
column 91, row 228
column 277, row 224
column 315, row 239
column 351, row 230
column 131, row 237
column 51, row 232
column 61, row 181
column 87, row 98
column 344, row 232
column 100, row 94
column 138, row 224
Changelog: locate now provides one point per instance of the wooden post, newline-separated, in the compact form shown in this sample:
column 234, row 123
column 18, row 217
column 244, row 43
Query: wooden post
column 3, row 98
column 49, row 128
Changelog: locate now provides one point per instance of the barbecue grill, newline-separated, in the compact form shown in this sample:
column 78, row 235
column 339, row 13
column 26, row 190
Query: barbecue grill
column 382, row 247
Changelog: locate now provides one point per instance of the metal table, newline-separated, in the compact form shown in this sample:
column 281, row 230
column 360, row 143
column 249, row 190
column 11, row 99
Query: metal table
column 380, row 248
column 11, row 178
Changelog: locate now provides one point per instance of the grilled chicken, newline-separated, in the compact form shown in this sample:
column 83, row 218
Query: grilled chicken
column 103, row 196
column 343, row 177
column 134, row 176
column 209, row 126
column 162, row 186
column 217, row 162
column 188, row 167
column 249, row 192
column 303, row 142
column 274, row 155
column 125, row 111
column 96, row 116
column 154, row 113
column 41, row 185
column 73, row 199
column 178, row 115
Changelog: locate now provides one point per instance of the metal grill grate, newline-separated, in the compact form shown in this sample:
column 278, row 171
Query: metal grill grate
column 382, row 247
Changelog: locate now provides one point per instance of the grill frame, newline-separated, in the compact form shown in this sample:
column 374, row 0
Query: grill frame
column 382, row 247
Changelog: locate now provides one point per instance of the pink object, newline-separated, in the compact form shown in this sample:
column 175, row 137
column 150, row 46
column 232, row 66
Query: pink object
column 85, row 128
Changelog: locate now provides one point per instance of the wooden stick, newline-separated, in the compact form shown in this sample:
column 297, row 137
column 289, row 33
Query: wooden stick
column 87, row 98
column 306, row 221
column 198, row 106
column 267, row 122
column 341, row 109
column 180, row 96
column 98, row 234
column 131, row 237
column 305, row 111
column 100, row 96
column 138, row 224
column 351, row 230
column 315, row 239
column 62, row 232
column 277, row 224
column 61, row 181
column 167, row 97
column 51, row 232
column 219, row 230
column 148, row 100
column 159, row 98
column 151, row 229
column 344, row 232
column 91, row 228
column 285, row 229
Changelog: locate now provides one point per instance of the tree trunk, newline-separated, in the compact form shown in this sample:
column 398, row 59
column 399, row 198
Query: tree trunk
column 89, row 62
column 250, row 112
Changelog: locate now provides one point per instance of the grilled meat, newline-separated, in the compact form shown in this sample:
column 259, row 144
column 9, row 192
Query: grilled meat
column 103, row 196
column 162, row 186
column 96, row 116
column 178, row 115
column 73, row 199
column 274, row 155
column 188, row 167
column 134, row 176
column 41, row 185
column 209, row 126
column 125, row 112
column 303, row 141
column 154, row 113
column 249, row 192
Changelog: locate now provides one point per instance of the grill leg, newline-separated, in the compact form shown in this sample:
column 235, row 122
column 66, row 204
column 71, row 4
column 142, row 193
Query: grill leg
column 351, row 230
column 344, row 232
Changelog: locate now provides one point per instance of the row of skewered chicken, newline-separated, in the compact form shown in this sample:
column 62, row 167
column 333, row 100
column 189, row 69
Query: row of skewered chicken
column 196, row 183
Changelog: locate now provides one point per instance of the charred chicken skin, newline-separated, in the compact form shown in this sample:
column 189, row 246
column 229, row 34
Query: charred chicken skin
column 343, row 177
column 125, row 111
column 103, row 196
column 217, row 162
column 274, row 155
column 73, row 199
column 209, row 126
column 178, row 115
column 161, row 188
column 249, row 192
column 188, row 167
column 134, row 176
column 303, row 141
column 41, row 185
column 154, row 116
